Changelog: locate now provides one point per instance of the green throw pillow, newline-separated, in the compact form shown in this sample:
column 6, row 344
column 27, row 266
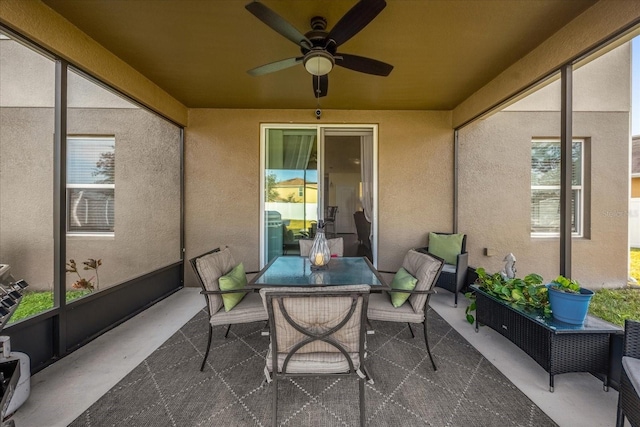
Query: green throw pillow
column 446, row 246
column 405, row 281
column 235, row 279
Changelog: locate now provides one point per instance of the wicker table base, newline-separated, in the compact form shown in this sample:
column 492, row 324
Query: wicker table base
column 556, row 346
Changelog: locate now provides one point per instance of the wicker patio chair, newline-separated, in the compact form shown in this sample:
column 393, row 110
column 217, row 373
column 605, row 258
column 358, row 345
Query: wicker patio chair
column 209, row 267
column 336, row 246
column 454, row 274
column 363, row 229
column 628, row 398
column 316, row 332
column 426, row 269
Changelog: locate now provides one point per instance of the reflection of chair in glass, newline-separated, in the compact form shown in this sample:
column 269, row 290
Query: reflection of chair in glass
column 629, row 396
column 416, row 278
column 363, row 228
column 210, row 268
column 316, row 331
column 452, row 248
column 336, row 246
column 330, row 219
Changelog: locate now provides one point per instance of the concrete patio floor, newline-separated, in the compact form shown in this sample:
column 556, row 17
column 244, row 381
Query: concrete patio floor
column 62, row 391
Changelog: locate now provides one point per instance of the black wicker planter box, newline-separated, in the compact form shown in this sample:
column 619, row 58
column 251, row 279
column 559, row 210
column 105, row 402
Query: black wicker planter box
column 556, row 346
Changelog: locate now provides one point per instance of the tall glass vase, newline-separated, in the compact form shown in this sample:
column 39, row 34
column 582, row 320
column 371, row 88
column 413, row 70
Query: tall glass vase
column 320, row 254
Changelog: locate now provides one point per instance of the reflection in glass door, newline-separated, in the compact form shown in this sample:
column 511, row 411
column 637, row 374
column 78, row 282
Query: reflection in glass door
column 291, row 190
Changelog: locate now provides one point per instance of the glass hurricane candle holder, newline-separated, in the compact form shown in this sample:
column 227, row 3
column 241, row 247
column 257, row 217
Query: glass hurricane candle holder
column 319, row 256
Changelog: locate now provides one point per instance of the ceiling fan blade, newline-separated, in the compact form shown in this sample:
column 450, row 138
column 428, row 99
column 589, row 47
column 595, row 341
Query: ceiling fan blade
column 275, row 66
column 277, row 23
column 320, row 85
column 355, row 20
column 363, row 65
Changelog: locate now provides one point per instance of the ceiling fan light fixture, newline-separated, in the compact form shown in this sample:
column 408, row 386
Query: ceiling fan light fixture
column 318, row 62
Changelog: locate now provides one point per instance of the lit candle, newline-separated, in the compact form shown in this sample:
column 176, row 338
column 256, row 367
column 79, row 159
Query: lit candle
column 319, row 259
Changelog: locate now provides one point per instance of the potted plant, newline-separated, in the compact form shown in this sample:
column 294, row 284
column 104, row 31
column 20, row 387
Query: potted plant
column 528, row 292
column 569, row 301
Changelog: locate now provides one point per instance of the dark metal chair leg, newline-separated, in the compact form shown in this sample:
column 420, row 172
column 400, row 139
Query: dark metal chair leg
column 455, row 299
column 619, row 416
column 275, row 401
column 411, row 330
column 206, row 353
column 362, row 405
column 426, row 341
column 227, row 333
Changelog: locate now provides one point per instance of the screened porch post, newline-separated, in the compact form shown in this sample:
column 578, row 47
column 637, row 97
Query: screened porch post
column 566, row 138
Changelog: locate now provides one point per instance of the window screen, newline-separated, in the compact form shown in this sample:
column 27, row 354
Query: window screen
column 90, row 184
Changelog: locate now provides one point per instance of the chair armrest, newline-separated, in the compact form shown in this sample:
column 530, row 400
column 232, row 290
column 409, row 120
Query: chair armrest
column 232, row 291
column 632, row 339
column 430, row 291
column 463, row 261
column 461, row 270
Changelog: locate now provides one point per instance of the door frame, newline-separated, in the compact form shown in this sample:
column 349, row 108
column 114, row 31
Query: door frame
column 322, row 131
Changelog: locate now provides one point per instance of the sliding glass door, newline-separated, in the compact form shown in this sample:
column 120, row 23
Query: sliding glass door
column 291, row 193
column 306, row 168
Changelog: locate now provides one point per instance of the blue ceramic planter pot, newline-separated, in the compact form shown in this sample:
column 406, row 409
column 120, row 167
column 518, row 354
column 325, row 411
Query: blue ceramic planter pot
column 569, row 308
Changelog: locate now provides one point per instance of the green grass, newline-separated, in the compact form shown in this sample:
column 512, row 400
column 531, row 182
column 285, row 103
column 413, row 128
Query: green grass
column 37, row 302
column 616, row 305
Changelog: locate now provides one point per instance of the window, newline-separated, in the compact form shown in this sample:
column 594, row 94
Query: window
column 90, row 185
column 545, row 188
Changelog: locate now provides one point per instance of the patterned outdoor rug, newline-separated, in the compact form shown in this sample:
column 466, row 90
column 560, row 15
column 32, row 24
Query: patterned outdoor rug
column 167, row 389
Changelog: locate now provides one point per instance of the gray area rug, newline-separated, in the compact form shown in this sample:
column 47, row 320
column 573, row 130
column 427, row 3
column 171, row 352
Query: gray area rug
column 167, row 389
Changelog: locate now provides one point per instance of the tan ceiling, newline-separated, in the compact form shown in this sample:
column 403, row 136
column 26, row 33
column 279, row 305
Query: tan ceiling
column 199, row 50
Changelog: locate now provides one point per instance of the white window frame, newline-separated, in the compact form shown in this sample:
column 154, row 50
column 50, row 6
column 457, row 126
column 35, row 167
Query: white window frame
column 93, row 233
column 579, row 189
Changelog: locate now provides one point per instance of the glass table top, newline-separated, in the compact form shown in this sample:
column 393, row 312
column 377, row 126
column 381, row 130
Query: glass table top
column 296, row 271
column 591, row 323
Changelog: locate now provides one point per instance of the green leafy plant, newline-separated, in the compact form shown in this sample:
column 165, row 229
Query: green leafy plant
column 528, row 292
column 83, row 283
column 564, row 284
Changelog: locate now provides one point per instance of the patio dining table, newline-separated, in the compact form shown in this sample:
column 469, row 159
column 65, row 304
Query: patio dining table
column 296, row 271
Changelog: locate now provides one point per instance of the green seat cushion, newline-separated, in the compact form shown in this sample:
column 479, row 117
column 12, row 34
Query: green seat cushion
column 235, row 279
column 446, row 246
column 404, row 281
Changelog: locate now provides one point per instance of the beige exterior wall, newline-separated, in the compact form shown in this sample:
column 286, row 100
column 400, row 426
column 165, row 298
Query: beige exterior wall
column 147, row 195
column 494, row 177
column 222, row 167
column 147, row 173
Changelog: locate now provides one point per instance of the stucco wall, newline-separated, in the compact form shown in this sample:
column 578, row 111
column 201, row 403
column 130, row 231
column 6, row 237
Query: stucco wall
column 26, row 194
column 147, row 194
column 495, row 159
column 495, row 196
column 222, row 167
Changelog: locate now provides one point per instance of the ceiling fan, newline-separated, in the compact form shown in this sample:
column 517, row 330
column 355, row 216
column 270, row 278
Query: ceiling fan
column 319, row 47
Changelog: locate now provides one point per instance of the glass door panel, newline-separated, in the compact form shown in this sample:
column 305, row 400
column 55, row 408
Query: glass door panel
column 291, row 190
